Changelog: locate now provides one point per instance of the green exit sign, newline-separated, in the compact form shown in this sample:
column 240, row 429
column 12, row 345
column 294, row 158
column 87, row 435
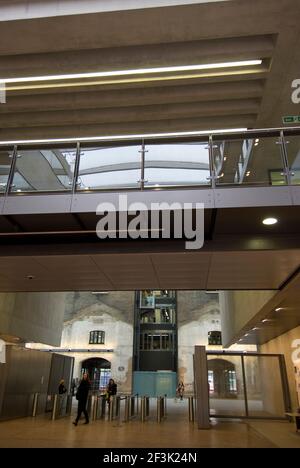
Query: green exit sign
column 289, row 119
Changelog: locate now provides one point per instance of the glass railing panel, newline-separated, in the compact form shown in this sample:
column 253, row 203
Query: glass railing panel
column 44, row 170
column 252, row 161
column 178, row 164
column 226, row 387
column 264, row 386
column 5, row 163
column 293, row 155
column 103, row 168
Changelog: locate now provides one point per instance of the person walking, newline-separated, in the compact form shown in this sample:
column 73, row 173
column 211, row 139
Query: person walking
column 82, row 396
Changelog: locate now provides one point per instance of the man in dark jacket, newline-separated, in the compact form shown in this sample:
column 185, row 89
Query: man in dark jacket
column 82, row 396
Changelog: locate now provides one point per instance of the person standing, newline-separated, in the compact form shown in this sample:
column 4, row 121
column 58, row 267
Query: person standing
column 180, row 389
column 61, row 388
column 111, row 390
column 82, row 396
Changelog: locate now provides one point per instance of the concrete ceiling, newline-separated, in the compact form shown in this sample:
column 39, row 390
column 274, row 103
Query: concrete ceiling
column 166, row 36
column 131, row 271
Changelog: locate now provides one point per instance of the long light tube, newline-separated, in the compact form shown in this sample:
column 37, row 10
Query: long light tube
column 137, row 71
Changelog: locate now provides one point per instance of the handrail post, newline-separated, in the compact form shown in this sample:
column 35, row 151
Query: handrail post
column 211, row 162
column 285, row 159
column 11, row 170
column 76, row 168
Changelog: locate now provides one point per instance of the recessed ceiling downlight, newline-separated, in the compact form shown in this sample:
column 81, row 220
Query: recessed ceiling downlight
column 270, row 221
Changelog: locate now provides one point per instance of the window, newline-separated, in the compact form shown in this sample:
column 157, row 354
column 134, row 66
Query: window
column 97, row 337
column 214, row 338
column 157, row 341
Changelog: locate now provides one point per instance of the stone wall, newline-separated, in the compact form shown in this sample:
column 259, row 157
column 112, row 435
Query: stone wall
column 198, row 313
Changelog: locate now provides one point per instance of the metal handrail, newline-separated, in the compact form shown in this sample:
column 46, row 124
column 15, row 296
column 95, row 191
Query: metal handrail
column 119, row 141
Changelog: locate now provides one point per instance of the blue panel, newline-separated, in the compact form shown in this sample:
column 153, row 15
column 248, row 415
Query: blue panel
column 155, row 384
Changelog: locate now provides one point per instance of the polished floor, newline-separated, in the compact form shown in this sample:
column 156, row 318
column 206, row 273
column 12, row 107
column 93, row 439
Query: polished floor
column 174, row 432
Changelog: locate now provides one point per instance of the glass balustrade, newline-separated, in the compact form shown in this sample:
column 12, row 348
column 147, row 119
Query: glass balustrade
column 177, row 164
column 251, row 161
column 109, row 168
column 44, row 170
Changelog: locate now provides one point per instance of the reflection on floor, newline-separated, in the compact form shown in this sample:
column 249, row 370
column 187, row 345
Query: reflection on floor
column 175, row 431
column 236, row 408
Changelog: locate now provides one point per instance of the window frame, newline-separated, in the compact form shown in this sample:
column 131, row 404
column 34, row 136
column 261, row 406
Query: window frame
column 97, row 337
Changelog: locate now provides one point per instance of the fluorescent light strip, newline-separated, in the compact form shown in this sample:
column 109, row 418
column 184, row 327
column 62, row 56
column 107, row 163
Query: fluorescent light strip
column 123, row 137
column 137, row 71
column 130, row 80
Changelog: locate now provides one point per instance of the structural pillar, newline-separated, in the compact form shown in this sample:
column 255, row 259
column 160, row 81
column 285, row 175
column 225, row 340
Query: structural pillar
column 201, row 387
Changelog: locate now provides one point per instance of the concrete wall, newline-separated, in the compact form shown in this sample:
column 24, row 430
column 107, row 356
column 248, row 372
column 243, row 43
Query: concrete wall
column 34, row 316
column 238, row 308
column 26, row 9
column 198, row 313
column 289, row 345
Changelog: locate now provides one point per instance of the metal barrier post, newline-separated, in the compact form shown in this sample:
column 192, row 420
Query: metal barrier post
column 55, row 407
column 191, row 409
column 103, row 407
column 137, row 404
column 111, row 408
column 118, row 403
column 69, row 404
column 158, row 409
column 147, row 406
column 94, row 408
column 143, row 409
column 127, row 403
column 89, row 406
column 165, row 405
column 132, row 406
column 35, row 404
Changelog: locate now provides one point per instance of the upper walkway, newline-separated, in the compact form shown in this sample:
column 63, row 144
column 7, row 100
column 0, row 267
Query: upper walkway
column 241, row 169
